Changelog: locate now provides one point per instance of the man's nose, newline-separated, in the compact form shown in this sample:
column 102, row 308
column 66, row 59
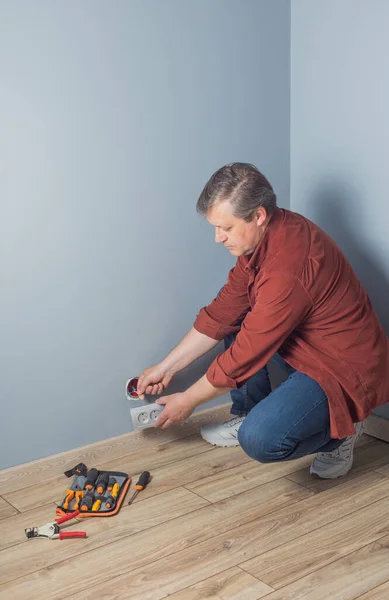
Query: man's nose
column 220, row 237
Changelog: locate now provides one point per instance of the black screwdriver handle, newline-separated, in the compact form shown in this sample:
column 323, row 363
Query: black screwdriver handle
column 102, row 483
column 143, row 481
column 91, row 477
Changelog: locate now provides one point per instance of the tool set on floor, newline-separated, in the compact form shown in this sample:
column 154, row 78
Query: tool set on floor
column 93, row 493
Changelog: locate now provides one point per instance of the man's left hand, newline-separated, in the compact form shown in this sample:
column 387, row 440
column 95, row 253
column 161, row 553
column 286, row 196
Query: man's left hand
column 177, row 408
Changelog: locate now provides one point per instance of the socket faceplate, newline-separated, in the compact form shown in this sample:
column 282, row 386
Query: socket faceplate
column 146, row 415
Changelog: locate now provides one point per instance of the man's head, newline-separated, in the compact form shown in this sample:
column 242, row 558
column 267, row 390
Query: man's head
column 239, row 202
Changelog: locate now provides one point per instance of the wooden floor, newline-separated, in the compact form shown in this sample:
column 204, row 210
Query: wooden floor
column 212, row 524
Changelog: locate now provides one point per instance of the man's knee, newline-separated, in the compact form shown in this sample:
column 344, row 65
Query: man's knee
column 261, row 444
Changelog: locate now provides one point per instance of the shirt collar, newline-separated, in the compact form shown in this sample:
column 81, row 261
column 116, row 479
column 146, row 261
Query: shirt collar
column 254, row 260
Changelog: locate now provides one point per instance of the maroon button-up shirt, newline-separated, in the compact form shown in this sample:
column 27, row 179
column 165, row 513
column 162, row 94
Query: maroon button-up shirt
column 297, row 294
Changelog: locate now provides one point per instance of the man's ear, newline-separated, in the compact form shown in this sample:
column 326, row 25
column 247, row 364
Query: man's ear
column 261, row 216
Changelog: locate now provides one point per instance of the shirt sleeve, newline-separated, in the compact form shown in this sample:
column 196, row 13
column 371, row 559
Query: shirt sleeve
column 226, row 312
column 280, row 307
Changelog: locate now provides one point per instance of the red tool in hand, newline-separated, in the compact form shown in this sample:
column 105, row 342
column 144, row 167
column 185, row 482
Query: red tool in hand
column 52, row 532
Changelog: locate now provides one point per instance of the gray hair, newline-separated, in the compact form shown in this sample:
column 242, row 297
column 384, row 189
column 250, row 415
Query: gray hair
column 243, row 186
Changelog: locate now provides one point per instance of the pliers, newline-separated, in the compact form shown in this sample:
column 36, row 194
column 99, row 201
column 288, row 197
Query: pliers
column 51, row 530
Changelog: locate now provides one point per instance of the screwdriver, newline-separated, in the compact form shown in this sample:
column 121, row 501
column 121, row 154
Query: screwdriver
column 140, row 485
column 91, row 477
column 96, row 505
column 79, row 496
column 111, row 483
column 87, row 502
column 102, row 483
column 69, row 497
column 111, row 500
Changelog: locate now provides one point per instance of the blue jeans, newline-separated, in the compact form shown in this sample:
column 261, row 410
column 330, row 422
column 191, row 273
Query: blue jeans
column 290, row 422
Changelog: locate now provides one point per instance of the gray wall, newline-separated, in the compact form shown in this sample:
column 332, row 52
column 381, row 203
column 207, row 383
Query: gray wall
column 113, row 115
column 340, row 131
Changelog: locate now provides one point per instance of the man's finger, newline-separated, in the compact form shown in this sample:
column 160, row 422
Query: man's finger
column 161, row 420
column 139, row 386
column 158, row 423
column 166, row 380
column 144, row 387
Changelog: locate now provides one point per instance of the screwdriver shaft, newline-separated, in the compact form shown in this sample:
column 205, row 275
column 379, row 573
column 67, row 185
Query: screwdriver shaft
column 133, row 497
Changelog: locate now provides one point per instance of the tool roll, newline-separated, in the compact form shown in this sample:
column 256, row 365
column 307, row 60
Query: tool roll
column 93, row 492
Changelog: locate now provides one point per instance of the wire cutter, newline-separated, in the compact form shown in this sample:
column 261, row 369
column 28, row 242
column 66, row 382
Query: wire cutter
column 51, row 530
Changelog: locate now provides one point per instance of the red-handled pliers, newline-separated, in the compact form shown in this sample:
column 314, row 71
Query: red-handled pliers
column 51, row 530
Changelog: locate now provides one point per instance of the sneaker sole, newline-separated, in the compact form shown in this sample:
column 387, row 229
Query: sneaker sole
column 341, row 474
column 222, row 443
column 317, row 476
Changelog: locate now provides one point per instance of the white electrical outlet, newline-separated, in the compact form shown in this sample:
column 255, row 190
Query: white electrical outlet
column 146, row 415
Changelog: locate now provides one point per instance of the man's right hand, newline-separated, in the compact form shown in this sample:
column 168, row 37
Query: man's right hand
column 153, row 380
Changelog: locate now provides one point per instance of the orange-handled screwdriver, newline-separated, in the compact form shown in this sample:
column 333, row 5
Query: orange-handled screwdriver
column 140, row 484
column 69, row 497
column 79, row 496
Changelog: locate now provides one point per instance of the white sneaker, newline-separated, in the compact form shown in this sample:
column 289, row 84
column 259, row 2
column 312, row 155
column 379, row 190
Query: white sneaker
column 330, row 465
column 222, row 434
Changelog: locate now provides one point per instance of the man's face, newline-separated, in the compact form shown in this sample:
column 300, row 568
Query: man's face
column 238, row 236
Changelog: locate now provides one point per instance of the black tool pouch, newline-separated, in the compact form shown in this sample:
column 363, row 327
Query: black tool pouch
column 110, row 500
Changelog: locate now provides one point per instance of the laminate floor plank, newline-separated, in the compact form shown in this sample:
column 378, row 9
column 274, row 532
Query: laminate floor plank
column 344, row 579
column 6, row 509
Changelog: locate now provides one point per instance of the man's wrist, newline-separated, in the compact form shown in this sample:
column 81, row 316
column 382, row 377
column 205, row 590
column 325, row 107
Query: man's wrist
column 191, row 399
column 169, row 368
column 203, row 391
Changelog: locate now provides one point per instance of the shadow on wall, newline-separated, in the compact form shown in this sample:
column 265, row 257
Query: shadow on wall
column 339, row 210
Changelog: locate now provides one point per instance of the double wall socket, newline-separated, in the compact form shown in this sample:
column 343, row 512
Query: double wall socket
column 146, row 415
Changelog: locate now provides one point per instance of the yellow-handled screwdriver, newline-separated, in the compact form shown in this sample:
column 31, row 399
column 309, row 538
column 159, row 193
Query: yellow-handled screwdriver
column 96, row 505
column 140, row 485
column 115, row 490
column 111, row 500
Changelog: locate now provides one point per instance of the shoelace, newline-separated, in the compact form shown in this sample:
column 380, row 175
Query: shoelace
column 233, row 422
column 328, row 456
